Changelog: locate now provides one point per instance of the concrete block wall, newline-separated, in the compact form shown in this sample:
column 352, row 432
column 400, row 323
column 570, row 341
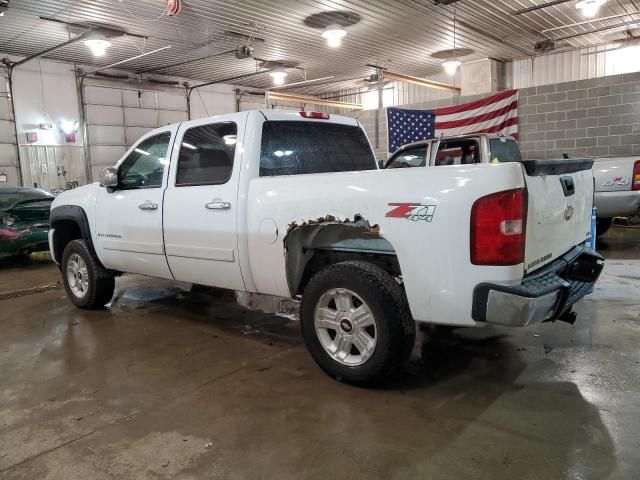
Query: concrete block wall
column 599, row 117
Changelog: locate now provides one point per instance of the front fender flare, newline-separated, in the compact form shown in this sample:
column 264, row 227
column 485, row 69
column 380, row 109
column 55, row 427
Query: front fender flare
column 75, row 214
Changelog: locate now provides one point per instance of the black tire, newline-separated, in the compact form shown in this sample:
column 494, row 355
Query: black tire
column 603, row 225
column 101, row 283
column 395, row 328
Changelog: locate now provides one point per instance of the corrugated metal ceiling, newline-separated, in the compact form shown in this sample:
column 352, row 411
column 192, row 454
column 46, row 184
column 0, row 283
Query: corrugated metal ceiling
column 400, row 34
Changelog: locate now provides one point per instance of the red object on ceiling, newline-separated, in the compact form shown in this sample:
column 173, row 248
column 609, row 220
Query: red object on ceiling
column 174, row 6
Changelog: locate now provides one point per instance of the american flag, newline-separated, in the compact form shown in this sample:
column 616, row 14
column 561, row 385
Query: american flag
column 496, row 114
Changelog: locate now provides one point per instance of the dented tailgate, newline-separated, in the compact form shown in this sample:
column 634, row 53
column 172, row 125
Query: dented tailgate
column 560, row 199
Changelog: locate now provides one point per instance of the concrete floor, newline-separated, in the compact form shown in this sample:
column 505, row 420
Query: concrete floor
column 177, row 383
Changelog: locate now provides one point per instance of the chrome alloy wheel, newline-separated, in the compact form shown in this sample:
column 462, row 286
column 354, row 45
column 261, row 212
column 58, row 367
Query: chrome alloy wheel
column 77, row 275
column 345, row 327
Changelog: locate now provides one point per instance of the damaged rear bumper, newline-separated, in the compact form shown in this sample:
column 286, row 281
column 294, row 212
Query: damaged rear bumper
column 547, row 294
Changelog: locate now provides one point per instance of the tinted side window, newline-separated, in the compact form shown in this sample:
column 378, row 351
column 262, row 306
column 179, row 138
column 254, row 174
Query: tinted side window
column 144, row 167
column 504, row 150
column 464, row 151
column 206, row 155
column 293, row 148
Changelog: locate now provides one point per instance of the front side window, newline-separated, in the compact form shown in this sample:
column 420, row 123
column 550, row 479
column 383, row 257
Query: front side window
column 294, row 148
column 206, row 155
column 144, row 167
column 412, row 157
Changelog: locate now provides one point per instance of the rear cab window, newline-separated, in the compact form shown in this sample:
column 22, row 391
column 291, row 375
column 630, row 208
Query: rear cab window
column 296, row 148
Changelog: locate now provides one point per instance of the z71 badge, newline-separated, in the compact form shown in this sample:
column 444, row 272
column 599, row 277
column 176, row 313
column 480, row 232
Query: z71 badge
column 416, row 212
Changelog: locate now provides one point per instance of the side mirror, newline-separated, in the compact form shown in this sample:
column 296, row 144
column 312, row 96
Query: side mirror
column 109, row 177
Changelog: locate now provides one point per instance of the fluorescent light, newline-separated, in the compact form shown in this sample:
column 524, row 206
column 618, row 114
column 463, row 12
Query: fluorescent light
column 98, row 45
column 68, row 127
column 334, row 34
column 229, row 139
column 142, row 152
column 189, row 146
column 451, row 66
column 278, row 76
column 590, row 8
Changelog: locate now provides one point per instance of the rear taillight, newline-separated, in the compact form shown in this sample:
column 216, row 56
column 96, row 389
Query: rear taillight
column 316, row 115
column 636, row 176
column 498, row 224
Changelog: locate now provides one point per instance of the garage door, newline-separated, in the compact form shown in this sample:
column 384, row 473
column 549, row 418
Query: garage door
column 117, row 117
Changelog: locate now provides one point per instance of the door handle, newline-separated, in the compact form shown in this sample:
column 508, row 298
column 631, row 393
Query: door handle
column 568, row 186
column 148, row 205
column 218, row 204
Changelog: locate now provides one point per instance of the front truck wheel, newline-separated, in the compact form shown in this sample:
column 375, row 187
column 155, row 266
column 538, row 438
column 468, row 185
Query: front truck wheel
column 87, row 283
column 356, row 322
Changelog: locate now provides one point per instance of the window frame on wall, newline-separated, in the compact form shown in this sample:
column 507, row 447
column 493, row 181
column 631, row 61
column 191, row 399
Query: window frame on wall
column 230, row 150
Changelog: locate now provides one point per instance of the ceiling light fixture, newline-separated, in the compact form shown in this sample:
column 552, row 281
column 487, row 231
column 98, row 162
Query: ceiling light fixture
column 98, row 45
column 278, row 76
column 451, row 66
column 590, row 8
column 334, row 34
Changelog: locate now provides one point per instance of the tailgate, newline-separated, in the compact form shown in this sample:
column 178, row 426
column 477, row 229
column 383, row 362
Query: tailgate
column 560, row 199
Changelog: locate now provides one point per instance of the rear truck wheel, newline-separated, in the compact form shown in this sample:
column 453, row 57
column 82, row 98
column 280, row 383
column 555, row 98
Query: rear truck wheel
column 87, row 283
column 356, row 322
column 603, row 225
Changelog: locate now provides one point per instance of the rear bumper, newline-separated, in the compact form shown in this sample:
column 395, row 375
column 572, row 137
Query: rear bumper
column 617, row 204
column 545, row 295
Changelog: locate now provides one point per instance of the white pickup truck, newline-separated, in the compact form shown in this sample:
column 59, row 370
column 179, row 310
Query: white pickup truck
column 617, row 189
column 293, row 204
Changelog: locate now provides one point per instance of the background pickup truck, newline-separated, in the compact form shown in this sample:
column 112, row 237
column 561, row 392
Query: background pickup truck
column 293, row 204
column 617, row 189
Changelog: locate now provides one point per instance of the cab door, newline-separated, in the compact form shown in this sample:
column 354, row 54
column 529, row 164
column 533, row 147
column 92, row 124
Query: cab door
column 201, row 203
column 129, row 217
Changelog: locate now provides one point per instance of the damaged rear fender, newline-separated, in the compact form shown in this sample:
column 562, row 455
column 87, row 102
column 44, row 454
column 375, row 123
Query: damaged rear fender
column 309, row 245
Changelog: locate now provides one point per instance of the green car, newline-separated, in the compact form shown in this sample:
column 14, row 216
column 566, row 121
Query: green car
column 24, row 220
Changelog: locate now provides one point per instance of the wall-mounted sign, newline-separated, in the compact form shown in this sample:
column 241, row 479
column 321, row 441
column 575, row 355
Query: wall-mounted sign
column 32, row 137
column 3, row 178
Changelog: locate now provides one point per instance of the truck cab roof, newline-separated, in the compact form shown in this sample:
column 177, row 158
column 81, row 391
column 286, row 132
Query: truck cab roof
column 272, row 115
column 450, row 138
